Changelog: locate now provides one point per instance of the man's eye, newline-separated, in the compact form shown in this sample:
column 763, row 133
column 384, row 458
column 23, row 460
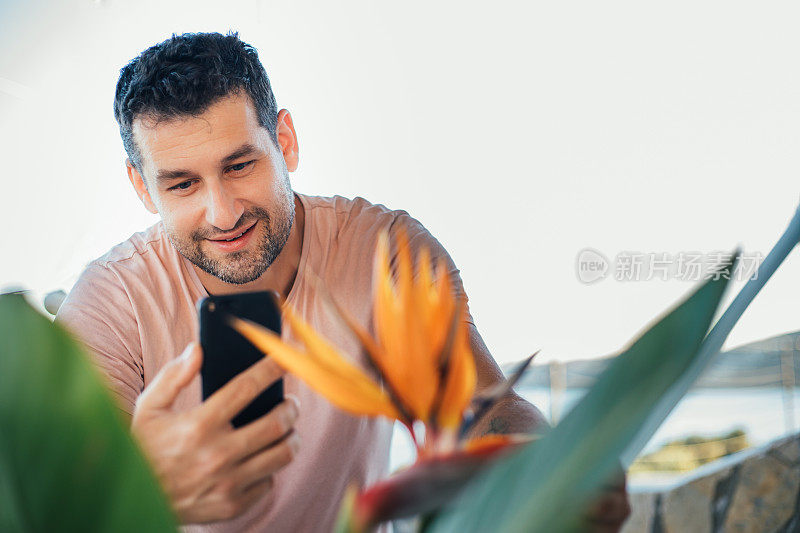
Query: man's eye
column 181, row 186
column 238, row 167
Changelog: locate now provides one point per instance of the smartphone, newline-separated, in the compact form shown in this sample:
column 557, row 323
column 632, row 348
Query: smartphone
column 226, row 353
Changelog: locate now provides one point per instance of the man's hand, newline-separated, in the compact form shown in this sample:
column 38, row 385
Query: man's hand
column 209, row 470
column 610, row 509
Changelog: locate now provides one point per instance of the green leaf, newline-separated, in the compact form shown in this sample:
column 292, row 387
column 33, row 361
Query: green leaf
column 547, row 485
column 67, row 461
column 717, row 336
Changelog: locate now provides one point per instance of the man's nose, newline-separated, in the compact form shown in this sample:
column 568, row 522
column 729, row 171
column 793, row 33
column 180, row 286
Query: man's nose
column 222, row 209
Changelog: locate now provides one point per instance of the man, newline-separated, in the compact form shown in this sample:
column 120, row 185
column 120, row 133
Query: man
column 209, row 152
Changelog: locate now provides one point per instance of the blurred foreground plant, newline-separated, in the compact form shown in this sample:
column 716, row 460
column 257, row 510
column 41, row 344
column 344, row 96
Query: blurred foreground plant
column 67, row 461
column 426, row 378
column 423, row 359
column 426, row 374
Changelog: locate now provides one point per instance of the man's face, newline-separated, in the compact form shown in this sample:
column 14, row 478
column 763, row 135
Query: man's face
column 213, row 177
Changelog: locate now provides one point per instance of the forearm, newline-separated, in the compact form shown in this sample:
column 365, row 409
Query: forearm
column 511, row 415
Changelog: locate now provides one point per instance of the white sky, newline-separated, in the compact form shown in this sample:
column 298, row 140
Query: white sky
column 518, row 134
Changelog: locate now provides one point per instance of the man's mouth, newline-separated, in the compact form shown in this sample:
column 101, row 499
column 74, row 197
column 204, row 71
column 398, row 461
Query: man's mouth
column 234, row 242
column 235, row 237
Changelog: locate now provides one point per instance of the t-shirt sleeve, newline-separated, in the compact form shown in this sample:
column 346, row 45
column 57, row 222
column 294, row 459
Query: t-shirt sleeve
column 418, row 238
column 98, row 312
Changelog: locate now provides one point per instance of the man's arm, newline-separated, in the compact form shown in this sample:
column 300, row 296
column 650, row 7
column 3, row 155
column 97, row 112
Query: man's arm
column 512, row 414
column 98, row 312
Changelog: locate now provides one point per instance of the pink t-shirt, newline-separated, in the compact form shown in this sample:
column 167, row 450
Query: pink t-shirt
column 134, row 309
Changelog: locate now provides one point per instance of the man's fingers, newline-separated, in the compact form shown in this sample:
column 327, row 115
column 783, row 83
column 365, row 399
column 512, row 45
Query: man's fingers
column 174, row 376
column 610, row 510
column 252, row 493
column 237, row 394
column 269, row 461
column 266, row 430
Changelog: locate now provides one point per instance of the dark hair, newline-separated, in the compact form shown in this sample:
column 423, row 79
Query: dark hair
column 185, row 75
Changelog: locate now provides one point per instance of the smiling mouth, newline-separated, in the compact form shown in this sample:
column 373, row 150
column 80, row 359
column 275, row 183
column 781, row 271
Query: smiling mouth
column 237, row 237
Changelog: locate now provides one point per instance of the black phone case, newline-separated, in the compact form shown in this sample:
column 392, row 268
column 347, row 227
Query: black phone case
column 226, row 353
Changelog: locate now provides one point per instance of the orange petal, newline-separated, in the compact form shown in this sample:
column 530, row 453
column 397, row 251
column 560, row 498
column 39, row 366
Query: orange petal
column 419, row 360
column 461, row 376
column 340, row 382
column 443, row 301
column 376, row 358
column 399, row 331
column 386, row 310
column 425, row 276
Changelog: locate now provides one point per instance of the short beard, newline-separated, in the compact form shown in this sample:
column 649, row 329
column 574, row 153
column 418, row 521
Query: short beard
column 239, row 268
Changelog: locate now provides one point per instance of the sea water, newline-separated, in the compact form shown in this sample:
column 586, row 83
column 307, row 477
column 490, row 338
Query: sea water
column 765, row 414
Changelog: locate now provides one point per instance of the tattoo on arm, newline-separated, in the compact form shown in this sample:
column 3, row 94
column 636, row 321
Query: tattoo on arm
column 498, row 425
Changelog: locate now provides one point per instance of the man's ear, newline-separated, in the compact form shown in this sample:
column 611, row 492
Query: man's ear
column 287, row 140
column 141, row 189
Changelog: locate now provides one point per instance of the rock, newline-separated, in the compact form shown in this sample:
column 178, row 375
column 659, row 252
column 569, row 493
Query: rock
column 766, row 492
column 642, row 509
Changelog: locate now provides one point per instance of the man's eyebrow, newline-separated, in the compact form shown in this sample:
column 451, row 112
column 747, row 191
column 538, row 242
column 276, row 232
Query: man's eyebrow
column 243, row 150
column 168, row 175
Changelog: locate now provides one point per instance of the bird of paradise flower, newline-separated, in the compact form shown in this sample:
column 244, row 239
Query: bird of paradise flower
column 426, row 377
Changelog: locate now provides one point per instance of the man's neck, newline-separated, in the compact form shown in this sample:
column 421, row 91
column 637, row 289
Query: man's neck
column 281, row 274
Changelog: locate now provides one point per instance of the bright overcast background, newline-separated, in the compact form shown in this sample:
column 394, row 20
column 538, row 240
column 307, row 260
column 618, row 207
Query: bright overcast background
column 517, row 133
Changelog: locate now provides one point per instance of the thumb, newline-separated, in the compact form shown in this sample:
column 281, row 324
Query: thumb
column 171, row 379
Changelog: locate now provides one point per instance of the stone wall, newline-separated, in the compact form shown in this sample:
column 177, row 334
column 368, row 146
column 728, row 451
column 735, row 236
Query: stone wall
column 757, row 490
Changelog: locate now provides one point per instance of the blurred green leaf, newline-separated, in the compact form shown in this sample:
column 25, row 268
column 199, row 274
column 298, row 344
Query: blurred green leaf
column 67, row 461
column 547, row 485
column 719, row 333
